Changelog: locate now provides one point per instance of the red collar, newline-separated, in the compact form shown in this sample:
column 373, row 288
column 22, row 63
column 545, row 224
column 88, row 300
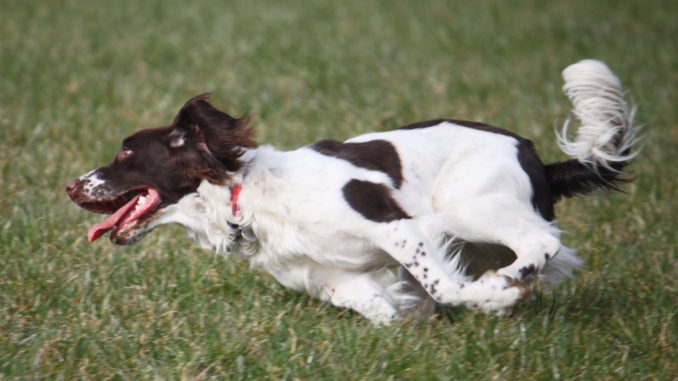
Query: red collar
column 235, row 193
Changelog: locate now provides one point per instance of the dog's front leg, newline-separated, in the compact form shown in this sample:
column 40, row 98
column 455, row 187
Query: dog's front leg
column 361, row 293
column 446, row 283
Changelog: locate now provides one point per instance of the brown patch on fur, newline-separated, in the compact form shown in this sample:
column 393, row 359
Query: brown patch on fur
column 378, row 155
column 373, row 201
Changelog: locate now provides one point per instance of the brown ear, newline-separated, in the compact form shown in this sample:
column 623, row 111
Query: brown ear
column 201, row 125
column 180, row 137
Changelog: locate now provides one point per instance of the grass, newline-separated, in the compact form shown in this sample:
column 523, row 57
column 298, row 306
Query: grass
column 76, row 76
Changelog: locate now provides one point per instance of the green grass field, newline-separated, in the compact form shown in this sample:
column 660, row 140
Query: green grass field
column 76, row 76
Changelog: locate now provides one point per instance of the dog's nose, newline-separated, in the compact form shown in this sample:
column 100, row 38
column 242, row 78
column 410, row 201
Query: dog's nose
column 72, row 186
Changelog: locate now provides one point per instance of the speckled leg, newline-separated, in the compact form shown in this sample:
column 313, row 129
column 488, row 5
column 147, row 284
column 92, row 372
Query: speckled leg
column 445, row 283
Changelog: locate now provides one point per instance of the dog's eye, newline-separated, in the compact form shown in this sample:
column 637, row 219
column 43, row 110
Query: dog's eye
column 124, row 153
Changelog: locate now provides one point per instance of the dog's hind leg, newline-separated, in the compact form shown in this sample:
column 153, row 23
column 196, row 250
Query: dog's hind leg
column 444, row 281
column 503, row 219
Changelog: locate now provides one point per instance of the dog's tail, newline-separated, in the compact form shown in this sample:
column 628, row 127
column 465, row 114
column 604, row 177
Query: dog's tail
column 604, row 140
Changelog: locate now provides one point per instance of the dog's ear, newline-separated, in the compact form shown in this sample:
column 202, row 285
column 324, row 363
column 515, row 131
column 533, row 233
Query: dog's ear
column 180, row 137
column 202, row 126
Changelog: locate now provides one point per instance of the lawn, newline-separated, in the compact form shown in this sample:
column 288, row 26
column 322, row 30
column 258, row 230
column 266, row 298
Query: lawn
column 76, row 76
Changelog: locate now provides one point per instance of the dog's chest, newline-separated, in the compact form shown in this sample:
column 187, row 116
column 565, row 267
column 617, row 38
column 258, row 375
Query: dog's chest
column 299, row 256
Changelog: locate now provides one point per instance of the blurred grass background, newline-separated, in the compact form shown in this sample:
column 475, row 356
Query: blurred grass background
column 77, row 76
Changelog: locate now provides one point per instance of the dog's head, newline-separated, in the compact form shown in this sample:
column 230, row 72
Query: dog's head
column 156, row 167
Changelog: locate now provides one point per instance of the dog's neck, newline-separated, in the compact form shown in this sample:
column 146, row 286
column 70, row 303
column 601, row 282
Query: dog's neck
column 213, row 215
column 219, row 218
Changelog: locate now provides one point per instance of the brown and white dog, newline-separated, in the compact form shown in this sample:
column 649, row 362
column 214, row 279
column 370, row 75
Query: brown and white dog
column 465, row 210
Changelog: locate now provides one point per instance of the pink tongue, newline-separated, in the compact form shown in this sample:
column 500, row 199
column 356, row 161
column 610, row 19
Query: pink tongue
column 109, row 223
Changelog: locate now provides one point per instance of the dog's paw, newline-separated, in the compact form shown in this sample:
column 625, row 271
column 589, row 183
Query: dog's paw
column 380, row 315
column 521, row 270
column 495, row 293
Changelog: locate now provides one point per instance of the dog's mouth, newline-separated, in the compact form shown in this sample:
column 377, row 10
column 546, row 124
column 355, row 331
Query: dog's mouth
column 131, row 208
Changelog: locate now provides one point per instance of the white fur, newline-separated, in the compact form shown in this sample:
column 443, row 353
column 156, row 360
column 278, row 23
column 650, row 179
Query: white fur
column 91, row 181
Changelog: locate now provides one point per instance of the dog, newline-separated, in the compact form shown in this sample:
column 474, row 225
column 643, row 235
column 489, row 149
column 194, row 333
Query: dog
column 462, row 210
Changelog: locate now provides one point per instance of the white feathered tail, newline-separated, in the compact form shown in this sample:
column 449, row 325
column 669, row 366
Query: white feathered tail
column 606, row 133
column 605, row 137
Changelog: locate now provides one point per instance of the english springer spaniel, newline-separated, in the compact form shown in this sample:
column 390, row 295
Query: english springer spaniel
column 445, row 212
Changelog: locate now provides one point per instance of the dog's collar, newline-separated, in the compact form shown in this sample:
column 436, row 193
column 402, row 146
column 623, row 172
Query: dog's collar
column 235, row 194
column 240, row 231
